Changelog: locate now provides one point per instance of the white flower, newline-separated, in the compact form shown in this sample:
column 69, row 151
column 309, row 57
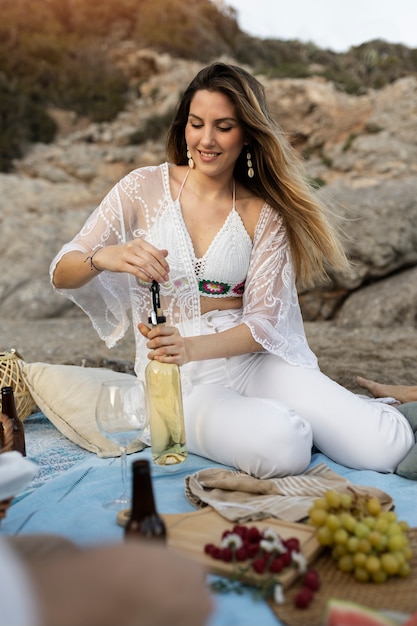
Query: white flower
column 270, row 533
column 232, row 541
column 272, row 541
column 300, row 561
column 279, row 594
column 267, row 545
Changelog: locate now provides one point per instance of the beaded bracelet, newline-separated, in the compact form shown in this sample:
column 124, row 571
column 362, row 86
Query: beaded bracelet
column 90, row 258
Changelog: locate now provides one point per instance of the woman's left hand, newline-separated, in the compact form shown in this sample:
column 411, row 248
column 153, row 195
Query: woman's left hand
column 165, row 343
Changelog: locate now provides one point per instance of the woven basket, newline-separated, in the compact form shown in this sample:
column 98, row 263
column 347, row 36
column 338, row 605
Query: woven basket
column 7, row 439
column 397, row 594
column 11, row 376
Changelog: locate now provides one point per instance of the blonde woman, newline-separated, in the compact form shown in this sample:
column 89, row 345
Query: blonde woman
column 228, row 227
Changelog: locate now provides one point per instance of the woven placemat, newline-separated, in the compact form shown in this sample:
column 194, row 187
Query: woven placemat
column 11, row 376
column 398, row 594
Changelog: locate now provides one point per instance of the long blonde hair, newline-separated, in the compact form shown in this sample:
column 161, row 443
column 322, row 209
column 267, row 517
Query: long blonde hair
column 279, row 177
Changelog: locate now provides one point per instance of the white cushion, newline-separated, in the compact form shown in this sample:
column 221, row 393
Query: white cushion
column 67, row 396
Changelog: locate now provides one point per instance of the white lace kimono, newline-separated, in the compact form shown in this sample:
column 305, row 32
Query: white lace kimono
column 141, row 205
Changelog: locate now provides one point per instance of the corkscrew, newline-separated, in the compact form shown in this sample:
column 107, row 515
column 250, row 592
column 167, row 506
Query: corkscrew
column 156, row 316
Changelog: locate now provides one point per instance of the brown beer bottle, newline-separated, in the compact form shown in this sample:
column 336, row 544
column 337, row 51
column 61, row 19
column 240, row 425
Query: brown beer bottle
column 144, row 521
column 8, row 407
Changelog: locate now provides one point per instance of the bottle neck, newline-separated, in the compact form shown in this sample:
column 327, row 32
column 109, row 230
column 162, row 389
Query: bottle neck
column 143, row 502
column 8, row 406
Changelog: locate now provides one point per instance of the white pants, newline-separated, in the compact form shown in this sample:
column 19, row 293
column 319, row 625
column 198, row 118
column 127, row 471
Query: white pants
column 261, row 415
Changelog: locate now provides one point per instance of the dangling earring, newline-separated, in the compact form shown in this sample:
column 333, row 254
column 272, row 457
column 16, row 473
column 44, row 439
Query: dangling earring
column 251, row 172
column 190, row 160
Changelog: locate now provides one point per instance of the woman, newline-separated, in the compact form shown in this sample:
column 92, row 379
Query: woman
column 226, row 228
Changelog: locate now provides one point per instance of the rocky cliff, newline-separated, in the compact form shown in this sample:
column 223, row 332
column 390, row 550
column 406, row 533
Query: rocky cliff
column 362, row 150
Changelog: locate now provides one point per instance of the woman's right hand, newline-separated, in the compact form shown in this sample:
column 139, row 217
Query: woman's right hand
column 136, row 257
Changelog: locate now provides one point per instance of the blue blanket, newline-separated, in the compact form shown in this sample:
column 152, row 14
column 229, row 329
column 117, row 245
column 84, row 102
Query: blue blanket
column 67, row 497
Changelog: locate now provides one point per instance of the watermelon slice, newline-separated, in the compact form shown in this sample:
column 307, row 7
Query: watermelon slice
column 344, row 613
column 412, row 620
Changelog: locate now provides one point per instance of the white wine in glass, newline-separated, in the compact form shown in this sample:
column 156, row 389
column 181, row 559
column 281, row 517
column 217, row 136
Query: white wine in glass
column 122, row 418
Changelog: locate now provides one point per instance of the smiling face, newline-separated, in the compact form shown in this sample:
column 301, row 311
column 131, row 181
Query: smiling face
column 213, row 133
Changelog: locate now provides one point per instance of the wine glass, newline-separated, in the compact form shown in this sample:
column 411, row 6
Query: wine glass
column 121, row 416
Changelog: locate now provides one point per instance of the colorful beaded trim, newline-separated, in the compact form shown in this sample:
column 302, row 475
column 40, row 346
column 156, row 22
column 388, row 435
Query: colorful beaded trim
column 213, row 288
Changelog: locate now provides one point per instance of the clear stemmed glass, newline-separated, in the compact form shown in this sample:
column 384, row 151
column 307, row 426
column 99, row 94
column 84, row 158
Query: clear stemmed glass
column 121, row 416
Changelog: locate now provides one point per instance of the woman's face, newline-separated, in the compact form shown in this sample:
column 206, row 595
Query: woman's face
column 213, row 133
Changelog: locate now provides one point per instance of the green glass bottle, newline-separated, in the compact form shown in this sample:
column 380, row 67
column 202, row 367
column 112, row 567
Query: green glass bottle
column 164, row 402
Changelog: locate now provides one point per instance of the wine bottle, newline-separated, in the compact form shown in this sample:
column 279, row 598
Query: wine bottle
column 164, row 401
column 144, row 521
column 8, row 407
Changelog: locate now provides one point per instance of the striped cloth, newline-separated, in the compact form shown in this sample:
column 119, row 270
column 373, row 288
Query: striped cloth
column 241, row 498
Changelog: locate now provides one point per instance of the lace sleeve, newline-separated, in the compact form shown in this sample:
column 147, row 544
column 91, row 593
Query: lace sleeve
column 270, row 304
column 106, row 298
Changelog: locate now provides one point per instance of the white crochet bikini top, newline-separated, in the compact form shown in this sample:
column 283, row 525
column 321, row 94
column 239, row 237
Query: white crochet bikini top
column 222, row 271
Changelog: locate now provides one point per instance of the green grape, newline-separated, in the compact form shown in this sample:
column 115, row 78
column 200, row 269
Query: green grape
column 389, row 563
column 374, row 506
column 364, row 546
column 377, row 541
column 369, row 543
column 390, row 516
column 321, row 503
column 373, row 564
column 369, row 521
column 341, row 536
column 400, row 556
column 345, row 563
column 348, row 521
column 396, row 542
column 352, row 544
column 361, row 574
column 333, row 498
column 394, row 529
column 346, row 500
column 404, row 526
column 333, row 522
column 338, row 551
column 380, row 576
column 359, row 559
column 325, row 536
column 361, row 530
column 318, row 516
column 381, row 525
column 404, row 570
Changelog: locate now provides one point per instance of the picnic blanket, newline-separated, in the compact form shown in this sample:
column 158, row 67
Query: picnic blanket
column 68, row 501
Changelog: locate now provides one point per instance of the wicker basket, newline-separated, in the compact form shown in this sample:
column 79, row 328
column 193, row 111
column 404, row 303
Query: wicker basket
column 11, row 376
column 7, row 439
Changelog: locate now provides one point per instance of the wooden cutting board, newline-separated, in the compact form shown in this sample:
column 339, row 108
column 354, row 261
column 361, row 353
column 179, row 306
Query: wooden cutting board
column 189, row 532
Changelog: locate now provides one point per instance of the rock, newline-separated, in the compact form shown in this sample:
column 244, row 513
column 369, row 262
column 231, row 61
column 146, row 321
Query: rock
column 387, row 303
column 345, row 353
column 70, row 341
column 379, row 223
